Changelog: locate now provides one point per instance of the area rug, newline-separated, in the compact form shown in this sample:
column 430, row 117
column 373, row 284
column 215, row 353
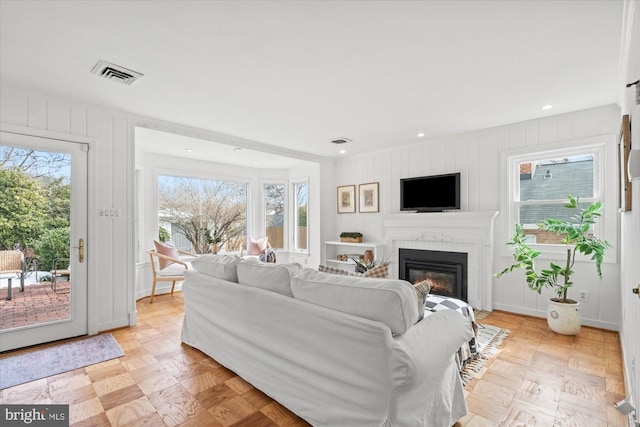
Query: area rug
column 49, row 361
column 488, row 339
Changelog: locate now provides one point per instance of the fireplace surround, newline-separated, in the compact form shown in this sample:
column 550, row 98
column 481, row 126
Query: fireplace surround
column 463, row 232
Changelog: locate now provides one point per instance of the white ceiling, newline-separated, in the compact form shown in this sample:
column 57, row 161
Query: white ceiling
column 298, row 74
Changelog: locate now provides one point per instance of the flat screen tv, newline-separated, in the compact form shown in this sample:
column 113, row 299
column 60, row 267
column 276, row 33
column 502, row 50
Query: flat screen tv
column 435, row 193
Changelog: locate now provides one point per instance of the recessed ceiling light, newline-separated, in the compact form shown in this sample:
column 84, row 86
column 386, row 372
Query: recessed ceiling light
column 343, row 151
column 255, row 162
column 421, row 134
column 237, row 149
column 188, row 150
column 546, row 107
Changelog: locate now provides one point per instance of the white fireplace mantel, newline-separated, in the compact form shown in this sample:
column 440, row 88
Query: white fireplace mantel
column 468, row 232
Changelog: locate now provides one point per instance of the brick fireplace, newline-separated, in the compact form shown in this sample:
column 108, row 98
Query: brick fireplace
column 469, row 233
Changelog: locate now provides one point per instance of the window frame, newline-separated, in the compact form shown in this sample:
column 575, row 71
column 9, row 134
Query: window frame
column 600, row 147
column 293, row 224
column 285, row 219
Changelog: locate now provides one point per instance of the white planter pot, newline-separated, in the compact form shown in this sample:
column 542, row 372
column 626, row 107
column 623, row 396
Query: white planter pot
column 564, row 318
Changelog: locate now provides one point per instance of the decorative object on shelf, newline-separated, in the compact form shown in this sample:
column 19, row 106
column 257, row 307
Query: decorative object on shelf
column 347, row 199
column 351, row 237
column 624, row 150
column 563, row 314
column 368, row 255
column 369, row 197
column 342, row 257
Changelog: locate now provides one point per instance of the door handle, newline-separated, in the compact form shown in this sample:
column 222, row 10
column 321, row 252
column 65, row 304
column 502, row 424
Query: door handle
column 80, row 248
column 637, row 291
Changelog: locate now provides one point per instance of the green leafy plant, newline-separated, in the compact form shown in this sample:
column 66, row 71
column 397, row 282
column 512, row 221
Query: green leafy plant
column 577, row 237
column 216, row 238
column 163, row 234
column 350, row 234
column 52, row 244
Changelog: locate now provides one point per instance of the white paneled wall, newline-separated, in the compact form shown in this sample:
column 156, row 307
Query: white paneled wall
column 630, row 221
column 108, row 254
column 111, row 251
column 477, row 156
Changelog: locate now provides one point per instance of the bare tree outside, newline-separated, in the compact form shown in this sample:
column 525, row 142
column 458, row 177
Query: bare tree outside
column 38, row 164
column 206, row 211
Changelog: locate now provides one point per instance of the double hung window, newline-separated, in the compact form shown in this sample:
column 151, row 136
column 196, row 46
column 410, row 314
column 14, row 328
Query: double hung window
column 541, row 181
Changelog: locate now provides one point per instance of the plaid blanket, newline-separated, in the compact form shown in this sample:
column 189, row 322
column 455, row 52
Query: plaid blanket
column 469, row 352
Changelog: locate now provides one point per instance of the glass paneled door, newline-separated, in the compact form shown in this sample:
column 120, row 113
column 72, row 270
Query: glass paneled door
column 43, row 229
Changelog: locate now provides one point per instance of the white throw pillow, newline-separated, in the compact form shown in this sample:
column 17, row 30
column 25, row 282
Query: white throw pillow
column 392, row 302
column 223, row 267
column 269, row 276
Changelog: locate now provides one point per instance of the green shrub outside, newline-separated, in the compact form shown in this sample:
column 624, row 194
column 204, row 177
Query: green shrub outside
column 53, row 243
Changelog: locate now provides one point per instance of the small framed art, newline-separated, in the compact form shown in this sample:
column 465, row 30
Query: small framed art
column 369, row 197
column 347, row 199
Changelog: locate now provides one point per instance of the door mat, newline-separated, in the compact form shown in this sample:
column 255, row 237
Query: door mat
column 488, row 339
column 26, row 367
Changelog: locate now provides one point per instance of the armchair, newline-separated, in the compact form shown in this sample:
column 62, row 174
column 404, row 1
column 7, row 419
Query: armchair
column 172, row 270
column 12, row 263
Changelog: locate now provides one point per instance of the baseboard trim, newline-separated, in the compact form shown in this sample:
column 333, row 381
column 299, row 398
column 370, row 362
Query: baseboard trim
column 160, row 290
column 594, row 323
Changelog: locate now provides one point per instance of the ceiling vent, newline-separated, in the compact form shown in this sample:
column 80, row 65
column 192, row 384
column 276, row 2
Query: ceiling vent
column 340, row 140
column 115, row 73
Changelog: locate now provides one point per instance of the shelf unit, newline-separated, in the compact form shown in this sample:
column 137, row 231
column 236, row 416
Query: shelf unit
column 333, row 248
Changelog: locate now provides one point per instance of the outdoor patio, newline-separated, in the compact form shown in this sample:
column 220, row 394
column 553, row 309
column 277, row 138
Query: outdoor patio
column 37, row 304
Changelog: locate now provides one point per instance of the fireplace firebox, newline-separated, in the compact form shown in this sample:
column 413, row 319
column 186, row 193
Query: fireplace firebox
column 446, row 270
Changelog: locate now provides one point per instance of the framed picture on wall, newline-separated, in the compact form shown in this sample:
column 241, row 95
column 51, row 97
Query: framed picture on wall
column 624, row 147
column 347, row 199
column 369, row 197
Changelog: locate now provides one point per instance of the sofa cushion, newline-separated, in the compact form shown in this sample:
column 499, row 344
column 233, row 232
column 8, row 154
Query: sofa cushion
column 167, row 249
column 269, row 276
column 380, row 271
column 392, row 302
column 223, row 267
column 334, row 270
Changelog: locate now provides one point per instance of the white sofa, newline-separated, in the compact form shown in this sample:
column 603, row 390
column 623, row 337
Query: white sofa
column 335, row 350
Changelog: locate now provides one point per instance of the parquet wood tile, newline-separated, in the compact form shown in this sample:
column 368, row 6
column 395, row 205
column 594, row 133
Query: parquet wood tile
column 536, row 378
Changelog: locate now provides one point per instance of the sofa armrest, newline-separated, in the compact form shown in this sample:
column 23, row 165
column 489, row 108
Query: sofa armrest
column 429, row 346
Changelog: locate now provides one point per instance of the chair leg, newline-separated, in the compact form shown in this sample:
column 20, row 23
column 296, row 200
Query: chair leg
column 173, row 285
column 153, row 291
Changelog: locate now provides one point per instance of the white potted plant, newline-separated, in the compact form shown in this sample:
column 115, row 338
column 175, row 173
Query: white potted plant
column 563, row 314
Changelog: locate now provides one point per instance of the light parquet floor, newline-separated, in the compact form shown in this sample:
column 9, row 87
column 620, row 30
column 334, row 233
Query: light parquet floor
column 537, row 378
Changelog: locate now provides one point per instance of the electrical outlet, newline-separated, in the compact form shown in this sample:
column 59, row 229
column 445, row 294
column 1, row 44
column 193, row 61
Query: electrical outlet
column 584, row 295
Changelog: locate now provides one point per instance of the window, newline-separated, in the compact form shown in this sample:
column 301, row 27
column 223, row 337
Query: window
column 540, row 183
column 274, row 203
column 196, row 213
column 300, row 230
